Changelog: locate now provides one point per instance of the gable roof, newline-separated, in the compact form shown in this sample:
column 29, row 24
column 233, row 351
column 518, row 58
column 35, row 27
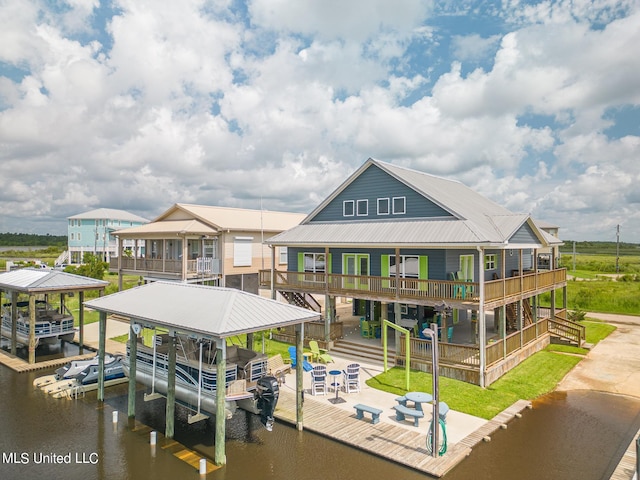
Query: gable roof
column 209, row 220
column 475, row 220
column 214, row 311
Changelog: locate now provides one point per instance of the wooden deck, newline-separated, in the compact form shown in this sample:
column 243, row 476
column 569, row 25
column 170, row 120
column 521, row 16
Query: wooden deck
column 626, row 469
column 19, row 365
column 392, row 442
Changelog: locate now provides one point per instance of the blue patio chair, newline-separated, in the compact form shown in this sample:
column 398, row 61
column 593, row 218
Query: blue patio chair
column 305, row 365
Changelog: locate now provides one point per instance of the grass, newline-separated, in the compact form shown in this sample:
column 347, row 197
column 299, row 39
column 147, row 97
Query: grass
column 537, row 375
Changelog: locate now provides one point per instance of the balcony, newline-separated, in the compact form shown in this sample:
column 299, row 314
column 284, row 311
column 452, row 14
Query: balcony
column 171, row 268
column 424, row 292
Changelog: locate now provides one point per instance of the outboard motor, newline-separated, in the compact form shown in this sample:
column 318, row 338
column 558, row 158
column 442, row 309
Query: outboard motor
column 268, row 391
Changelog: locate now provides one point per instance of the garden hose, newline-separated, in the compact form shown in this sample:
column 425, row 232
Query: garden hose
column 443, row 445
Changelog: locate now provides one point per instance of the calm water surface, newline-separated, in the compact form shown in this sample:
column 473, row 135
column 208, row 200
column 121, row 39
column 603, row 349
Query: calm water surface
column 580, row 435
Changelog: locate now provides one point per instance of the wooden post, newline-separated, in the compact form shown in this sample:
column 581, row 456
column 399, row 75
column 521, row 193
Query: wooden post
column 32, row 329
column 14, row 322
column 299, row 375
column 220, row 456
column 81, row 322
column 102, row 340
column 133, row 353
column 171, row 387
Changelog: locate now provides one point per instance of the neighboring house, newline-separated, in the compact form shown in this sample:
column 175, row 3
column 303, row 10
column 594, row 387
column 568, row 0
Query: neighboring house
column 414, row 248
column 205, row 244
column 92, row 232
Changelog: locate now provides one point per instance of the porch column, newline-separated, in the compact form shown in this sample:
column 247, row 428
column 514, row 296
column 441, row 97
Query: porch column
column 120, row 252
column 328, row 317
column 220, row 456
column 482, row 323
column 299, row 375
column 519, row 318
column 14, row 322
column 32, row 328
column 133, row 352
column 397, row 313
column 171, row 387
column 503, row 329
column 328, row 314
column 81, row 322
column 102, row 340
column 273, row 271
column 534, row 306
column 185, row 258
column 553, row 305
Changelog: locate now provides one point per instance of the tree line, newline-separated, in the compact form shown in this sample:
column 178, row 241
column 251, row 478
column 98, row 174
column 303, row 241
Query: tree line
column 32, row 240
column 601, row 248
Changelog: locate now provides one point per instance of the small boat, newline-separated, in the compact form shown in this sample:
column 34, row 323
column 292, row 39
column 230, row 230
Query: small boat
column 88, row 376
column 51, row 327
column 70, row 370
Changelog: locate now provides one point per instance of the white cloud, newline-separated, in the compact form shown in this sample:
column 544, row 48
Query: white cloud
column 196, row 102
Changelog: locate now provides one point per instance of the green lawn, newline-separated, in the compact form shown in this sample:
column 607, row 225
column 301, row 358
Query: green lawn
column 537, row 375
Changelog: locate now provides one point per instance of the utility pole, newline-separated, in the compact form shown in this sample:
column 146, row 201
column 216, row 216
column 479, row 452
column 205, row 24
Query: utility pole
column 617, row 248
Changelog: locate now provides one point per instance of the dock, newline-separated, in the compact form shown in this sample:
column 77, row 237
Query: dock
column 20, row 365
column 626, row 469
column 383, row 439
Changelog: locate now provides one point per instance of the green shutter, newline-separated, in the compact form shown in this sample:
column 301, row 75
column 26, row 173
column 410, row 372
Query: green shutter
column 329, row 264
column 301, row 261
column 384, row 270
column 424, row 271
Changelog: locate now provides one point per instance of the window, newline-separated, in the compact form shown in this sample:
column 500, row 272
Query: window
column 363, row 208
column 242, row 251
column 79, row 237
column 72, row 236
column 409, row 266
column 348, row 208
column 383, row 206
column 314, row 262
column 490, row 262
column 399, row 207
column 283, row 255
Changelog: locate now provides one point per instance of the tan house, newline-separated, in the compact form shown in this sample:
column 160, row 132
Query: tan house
column 203, row 244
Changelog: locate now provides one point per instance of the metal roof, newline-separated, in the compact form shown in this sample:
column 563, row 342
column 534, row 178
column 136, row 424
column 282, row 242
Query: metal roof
column 212, row 311
column 110, row 214
column 37, row 280
column 476, row 220
column 207, row 220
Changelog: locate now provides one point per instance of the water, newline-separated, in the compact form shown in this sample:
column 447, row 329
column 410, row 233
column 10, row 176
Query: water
column 579, row 435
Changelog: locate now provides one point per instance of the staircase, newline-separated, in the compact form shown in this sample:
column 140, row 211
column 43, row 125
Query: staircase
column 63, row 258
column 303, row 300
column 512, row 315
column 365, row 352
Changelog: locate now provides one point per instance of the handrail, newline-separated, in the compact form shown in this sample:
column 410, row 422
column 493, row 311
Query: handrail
column 387, row 323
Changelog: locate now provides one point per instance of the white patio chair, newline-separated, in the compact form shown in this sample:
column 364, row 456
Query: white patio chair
column 351, row 378
column 319, row 380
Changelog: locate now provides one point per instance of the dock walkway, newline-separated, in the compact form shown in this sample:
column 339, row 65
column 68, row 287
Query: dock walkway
column 392, row 442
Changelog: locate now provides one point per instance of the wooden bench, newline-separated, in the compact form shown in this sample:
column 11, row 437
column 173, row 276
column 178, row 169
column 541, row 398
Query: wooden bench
column 277, row 368
column 402, row 411
column 375, row 412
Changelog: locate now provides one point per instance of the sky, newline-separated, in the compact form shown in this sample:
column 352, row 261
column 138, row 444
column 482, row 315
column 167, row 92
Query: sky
column 140, row 104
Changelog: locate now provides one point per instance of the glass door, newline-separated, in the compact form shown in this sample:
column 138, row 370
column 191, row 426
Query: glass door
column 355, row 265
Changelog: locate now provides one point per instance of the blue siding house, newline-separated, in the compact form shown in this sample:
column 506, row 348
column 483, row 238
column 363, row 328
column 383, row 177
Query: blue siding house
column 411, row 248
column 91, row 232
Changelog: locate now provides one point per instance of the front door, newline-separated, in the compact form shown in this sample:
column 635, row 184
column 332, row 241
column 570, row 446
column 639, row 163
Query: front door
column 355, row 266
column 466, row 267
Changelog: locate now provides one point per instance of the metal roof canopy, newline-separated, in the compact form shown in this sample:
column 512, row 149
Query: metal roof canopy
column 35, row 280
column 210, row 311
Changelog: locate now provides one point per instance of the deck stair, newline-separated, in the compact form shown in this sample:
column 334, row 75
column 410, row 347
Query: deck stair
column 512, row 315
column 303, row 300
column 567, row 331
column 366, row 352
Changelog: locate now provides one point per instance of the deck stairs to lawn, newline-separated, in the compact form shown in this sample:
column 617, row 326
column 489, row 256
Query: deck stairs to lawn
column 366, row 352
column 567, row 331
column 512, row 315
